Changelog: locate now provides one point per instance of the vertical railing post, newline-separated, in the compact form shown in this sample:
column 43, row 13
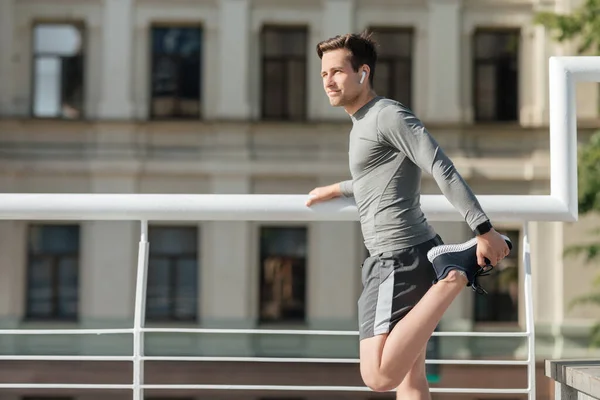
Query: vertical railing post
column 139, row 314
column 529, row 314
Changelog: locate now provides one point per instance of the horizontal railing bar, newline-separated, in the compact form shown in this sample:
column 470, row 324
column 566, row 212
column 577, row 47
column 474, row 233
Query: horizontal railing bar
column 253, row 331
column 322, row 360
column 245, row 387
column 64, row 386
column 324, row 388
column 318, row 332
column 66, row 358
column 237, row 331
column 65, row 331
column 251, row 207
column 481, row 334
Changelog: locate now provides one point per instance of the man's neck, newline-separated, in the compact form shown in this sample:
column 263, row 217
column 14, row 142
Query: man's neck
column 360, row 102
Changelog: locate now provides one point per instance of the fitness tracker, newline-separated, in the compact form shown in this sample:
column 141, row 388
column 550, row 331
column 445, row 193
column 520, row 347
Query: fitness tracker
column 483, row 228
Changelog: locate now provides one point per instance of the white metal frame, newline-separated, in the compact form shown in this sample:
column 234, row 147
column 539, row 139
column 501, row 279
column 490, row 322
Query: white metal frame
column 559, row 205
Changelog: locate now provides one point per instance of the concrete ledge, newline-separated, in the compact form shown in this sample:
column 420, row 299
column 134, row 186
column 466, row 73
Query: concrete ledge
column 575, row 379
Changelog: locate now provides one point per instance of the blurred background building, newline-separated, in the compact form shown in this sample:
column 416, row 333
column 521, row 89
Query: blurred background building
column 225, row 96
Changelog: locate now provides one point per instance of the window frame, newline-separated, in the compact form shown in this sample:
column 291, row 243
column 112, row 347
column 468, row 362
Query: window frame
column 83, row 31
column 476, row 62
column 261, row 257
column 173, row 273
column 53, row 284
column 285, row 60
column 151, row 69
column 398, row 59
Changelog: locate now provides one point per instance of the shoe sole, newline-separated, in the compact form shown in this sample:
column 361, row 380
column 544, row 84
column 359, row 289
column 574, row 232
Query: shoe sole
column 437, row 251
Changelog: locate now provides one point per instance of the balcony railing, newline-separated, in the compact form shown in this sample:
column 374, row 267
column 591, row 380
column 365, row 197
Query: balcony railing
column 559, row 205
column 146, row 208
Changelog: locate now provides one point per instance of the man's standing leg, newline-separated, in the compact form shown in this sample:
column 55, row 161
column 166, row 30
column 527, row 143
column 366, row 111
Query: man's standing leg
column 415, row 385
column 386, row 359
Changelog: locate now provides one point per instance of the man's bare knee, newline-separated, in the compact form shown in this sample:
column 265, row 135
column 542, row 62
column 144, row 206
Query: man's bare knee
column 378, row 382
column 374, row 376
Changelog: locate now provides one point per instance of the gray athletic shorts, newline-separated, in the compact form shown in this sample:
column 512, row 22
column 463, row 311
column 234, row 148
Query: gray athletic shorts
column 393, row 282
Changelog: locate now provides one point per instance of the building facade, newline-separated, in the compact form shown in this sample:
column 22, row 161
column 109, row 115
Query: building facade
column 225, row 96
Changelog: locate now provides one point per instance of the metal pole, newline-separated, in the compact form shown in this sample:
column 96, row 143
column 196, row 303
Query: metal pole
column 529, row 317
column 139, row 314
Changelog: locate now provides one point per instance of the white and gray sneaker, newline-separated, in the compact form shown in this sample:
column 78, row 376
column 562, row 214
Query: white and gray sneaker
column 462, row 257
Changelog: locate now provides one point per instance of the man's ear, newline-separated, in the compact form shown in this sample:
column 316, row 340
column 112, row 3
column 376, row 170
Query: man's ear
column 366, row 72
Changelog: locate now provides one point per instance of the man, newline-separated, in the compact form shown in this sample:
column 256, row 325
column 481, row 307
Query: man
column 400, row 305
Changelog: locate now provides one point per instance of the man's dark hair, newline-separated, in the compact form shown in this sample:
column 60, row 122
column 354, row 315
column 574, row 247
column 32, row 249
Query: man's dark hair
column 361, row 46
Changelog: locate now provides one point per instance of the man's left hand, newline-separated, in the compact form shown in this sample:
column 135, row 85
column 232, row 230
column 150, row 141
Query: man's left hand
column 491, row 245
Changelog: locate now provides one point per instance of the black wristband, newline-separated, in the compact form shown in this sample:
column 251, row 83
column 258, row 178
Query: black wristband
column 483, row 228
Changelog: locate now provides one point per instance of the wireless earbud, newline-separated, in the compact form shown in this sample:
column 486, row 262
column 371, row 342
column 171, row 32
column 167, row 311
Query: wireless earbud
column 364, row 74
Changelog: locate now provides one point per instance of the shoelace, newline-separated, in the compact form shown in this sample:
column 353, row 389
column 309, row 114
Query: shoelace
column 482, row 271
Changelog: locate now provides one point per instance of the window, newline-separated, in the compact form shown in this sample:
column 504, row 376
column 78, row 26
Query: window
column 172, row 289
column 501, row 304
column 58, row 71
column 283, row 274
column 393, row 73
column 284, row 73
column 496, row 75
column 176, row 77
column 53, row 272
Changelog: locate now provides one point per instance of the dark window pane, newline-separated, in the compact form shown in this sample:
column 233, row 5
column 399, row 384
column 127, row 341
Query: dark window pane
column 67, row 286
column 296, row 86
column 393, row 73
column 187, row 283
column 176, row 75
column 53, row 272
column 383, row 76
column 496, row 75
column 39, row 287
column 284, row 56
column 283, row 42
column 58, row 71
column 158, row 301
column 172, row 291
column 53, row 239
column 172, row 240
column 486, row 91
column 283, row 274
column 274, row 94
column 403, row 82
column 395, row 43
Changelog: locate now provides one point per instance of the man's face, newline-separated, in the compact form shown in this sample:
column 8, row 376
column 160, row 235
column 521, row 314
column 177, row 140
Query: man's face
column 340, row 81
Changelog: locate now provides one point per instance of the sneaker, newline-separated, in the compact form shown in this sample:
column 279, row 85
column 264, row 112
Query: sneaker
column 462, row 257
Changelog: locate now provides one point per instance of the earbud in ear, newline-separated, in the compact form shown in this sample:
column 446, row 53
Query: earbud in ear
column 362, row 78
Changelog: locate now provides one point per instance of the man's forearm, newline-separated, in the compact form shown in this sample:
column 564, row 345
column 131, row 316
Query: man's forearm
column 460, row 195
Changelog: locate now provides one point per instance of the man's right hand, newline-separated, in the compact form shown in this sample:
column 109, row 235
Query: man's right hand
column 323, row 193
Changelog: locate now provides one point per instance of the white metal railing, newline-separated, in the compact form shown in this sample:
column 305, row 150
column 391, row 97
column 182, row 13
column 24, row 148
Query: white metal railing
column 559, row 205
column 334, row 210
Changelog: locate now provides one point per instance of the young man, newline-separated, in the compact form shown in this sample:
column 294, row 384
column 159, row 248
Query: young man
column 400, row 306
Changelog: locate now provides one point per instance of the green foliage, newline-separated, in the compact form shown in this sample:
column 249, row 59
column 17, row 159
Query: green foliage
column 588, row 169
column 583, row 24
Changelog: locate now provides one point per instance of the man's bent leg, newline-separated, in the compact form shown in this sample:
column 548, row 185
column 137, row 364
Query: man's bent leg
column 415, row 385
column 387, row 359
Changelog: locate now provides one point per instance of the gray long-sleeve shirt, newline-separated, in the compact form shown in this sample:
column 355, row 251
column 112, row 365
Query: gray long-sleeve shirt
column 389, row 147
